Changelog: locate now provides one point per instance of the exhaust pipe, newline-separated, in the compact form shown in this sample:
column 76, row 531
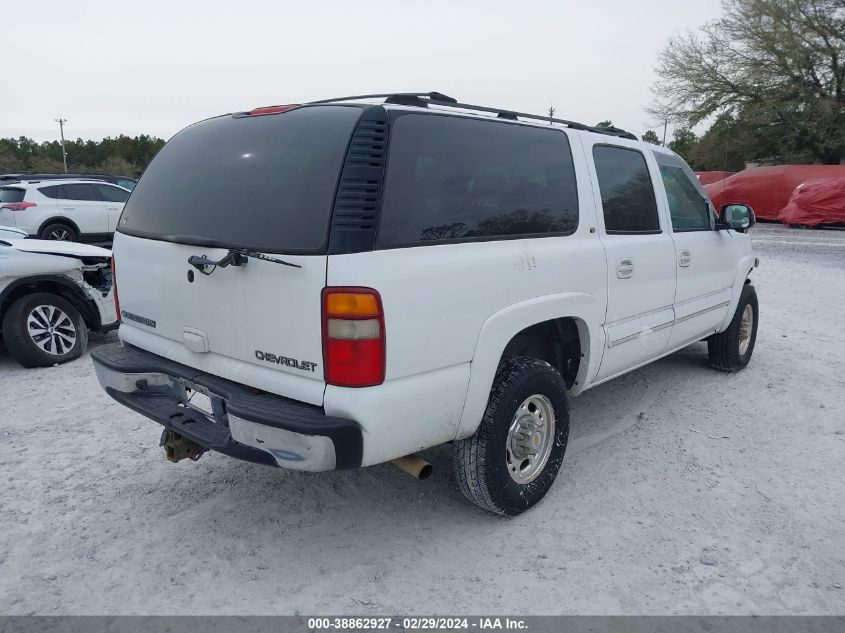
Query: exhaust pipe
column 414, row 465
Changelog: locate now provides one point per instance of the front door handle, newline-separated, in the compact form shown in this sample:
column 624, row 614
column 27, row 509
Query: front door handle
column 684, row 258
column 625, row 268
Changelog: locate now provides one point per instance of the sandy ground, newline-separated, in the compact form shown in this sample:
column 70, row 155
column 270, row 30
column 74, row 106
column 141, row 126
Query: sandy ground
column 684, row 490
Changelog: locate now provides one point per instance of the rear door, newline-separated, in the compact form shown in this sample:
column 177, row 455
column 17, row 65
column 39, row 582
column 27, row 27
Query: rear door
column 640, row 259
column 264, row 184
column 114, row 199
column 81, row 204
column 705, row 258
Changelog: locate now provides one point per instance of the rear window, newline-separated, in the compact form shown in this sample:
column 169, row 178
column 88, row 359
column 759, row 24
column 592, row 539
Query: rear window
column 627, row 194
column 453, row 178
column 84, row 192
column 9, row 194
column 53, row 191
column 265, row 183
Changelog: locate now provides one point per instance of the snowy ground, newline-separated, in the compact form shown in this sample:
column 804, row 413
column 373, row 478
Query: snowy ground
column 684, row 490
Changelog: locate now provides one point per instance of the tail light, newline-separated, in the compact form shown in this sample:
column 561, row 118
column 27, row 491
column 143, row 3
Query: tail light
column 114, row 289
column 353, row 337
column 18, row 206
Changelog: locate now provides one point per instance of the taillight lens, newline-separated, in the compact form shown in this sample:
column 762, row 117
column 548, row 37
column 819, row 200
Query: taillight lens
column 353, row 337
column 114, row 290
column 18, row 206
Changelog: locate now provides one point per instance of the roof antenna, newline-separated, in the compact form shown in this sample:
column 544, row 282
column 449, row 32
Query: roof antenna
column 551, row 114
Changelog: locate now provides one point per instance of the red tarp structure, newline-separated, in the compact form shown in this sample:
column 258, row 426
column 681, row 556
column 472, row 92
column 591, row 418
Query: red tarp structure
column 706, row 177
column 815, row 203
column 768, row 189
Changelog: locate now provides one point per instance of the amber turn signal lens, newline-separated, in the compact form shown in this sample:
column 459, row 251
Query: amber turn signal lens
column 351, row 304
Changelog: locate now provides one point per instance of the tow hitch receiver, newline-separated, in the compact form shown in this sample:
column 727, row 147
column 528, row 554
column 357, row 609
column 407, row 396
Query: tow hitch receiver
column 177, row 447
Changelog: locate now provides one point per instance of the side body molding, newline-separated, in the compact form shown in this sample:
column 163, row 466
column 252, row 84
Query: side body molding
column 499, row 328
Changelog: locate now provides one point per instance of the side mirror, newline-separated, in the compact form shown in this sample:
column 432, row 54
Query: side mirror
column 739, row 217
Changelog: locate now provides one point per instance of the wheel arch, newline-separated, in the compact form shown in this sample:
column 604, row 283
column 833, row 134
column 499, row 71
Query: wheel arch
column 500, row 335
column 56, row 285
column 63, row 220
column 746, row 266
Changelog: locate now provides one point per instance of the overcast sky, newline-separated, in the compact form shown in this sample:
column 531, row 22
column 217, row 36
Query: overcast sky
column 154, row 66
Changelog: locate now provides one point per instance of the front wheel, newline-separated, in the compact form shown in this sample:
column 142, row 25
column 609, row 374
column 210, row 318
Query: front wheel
column 513, row 458
column 731, row 350
column 44, row 329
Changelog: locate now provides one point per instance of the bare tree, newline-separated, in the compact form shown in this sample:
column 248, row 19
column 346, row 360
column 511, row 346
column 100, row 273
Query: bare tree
column 778, row 65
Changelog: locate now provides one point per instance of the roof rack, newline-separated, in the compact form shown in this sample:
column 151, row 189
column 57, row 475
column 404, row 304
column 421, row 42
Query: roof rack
column 424, row 99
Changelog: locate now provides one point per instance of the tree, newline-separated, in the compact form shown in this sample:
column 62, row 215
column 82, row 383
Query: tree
column 605, row 124
column 778, row 65
column 651, row 137
column 683, row 142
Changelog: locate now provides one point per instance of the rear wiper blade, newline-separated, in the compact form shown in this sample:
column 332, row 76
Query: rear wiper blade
column 235, row 257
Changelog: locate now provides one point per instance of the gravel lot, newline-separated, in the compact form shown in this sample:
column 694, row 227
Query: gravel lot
column 684, row 490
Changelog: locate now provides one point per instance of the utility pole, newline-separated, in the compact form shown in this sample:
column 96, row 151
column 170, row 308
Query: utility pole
column 61, row 123
column 551, row 114
column 665, row 123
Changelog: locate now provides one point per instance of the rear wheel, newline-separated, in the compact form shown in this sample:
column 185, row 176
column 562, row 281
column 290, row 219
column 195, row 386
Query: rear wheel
column 731, row 350
column 512, row 460
column 59, row 231
column 44, row 329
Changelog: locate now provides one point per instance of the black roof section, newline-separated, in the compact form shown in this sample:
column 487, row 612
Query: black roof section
column 423, row 99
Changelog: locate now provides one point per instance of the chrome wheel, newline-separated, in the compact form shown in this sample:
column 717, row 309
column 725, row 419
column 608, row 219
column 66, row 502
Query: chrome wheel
column 51, row 330
column 60, row 234
column 746, row 326
column 530, row 439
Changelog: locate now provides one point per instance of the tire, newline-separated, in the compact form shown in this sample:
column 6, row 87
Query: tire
column 32, row 348
column 485, row 462
column 731, row 350
column 59, row 231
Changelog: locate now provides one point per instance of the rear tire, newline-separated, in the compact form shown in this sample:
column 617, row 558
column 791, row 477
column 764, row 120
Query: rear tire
column 59, row 231
column 513, row 458
column 731, row 350
column 43, row 329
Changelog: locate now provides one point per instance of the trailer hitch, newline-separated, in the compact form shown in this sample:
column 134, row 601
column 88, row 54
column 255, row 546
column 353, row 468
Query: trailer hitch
column 177, row 447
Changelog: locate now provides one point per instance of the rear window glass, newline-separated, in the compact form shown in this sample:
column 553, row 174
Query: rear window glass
column 453, row 178
column 8, row 194
column 53, row 191
column 262, row 182
column 80, row 192
column 627, row 194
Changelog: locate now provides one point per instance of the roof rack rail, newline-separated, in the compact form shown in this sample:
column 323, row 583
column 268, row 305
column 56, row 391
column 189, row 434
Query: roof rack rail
column 423, row 99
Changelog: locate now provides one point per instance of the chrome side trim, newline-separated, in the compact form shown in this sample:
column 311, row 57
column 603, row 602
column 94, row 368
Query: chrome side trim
column 700, row 312
column 631, row 337
column 635, row 335
column 290, row 450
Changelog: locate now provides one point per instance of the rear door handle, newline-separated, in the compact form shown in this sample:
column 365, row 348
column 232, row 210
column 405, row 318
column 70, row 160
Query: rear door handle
column 684, row 258
column 625, row 268
column 114, row 208
column 67, row 208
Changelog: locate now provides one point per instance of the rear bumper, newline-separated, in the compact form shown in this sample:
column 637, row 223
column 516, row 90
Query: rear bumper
column 258, row 427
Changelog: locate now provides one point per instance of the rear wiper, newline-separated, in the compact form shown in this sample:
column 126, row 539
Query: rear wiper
column 235, row 257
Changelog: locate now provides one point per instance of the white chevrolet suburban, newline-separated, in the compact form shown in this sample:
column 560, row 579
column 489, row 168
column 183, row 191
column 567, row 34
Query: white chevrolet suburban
column 347, row 282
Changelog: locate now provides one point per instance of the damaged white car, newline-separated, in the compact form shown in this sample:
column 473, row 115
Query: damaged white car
column 51, row 294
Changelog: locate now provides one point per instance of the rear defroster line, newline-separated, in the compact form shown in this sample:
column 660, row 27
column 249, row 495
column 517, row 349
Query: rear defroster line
column 235, row 257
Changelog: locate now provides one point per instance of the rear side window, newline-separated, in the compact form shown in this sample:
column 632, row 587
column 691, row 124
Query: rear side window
column 80, row 192
column 265, row 183
column 112, row 194
column 53, row 191
column 627, row 195
column 10, row 194
column 452, row 178
column 689, row 206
